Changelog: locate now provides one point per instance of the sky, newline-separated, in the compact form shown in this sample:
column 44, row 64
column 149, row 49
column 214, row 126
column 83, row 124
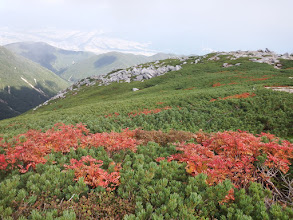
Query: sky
column 171, row 26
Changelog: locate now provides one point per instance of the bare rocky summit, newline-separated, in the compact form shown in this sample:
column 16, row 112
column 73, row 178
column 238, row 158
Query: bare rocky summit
column 259, row 56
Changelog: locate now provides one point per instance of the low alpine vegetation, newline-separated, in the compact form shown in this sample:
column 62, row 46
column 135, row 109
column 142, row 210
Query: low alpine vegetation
column 145, row 174
column 208, row 141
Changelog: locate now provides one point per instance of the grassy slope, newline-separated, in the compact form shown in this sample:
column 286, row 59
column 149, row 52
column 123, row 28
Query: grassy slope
column 191, row 89
column 23, row 97
column 149, row 189
column 75, row 65
column 104, row 63
column 52, row 58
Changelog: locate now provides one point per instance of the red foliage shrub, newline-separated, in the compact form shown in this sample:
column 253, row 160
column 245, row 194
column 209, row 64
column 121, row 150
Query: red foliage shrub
column 236, row 96
column 218, row 84
column 112, row 115
column 112, row 142
column 27, row 150
column 233, row 155
column 89, row 169
column 3, row 163
column 148, row 111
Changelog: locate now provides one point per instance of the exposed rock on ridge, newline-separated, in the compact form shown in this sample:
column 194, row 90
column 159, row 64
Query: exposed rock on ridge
column 143, row 72
column 136, row 73
column 259, row 56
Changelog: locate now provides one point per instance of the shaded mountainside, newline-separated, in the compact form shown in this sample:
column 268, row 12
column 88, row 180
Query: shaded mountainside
column 104, row 63
column 55, row 59
column 24, row 84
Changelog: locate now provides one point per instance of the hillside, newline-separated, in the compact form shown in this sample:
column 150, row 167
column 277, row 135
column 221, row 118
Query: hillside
column 24, row 84
column 55, row 59
column 200, row 80
column 76, row 65
column 104, row 63
column 201, row 137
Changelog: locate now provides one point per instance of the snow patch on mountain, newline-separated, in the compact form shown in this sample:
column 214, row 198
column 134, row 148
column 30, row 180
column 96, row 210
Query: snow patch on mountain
column 38, row 90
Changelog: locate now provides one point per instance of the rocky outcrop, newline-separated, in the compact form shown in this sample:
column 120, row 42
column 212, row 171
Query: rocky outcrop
column 136, row 73
column 259, row 56
column 144, row 72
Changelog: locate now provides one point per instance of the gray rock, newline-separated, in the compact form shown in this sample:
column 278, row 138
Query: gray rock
column 135, row 89
column 139, row 78
column 225, row 65
column 286, row 56
column 279, row 65
column 214, row 58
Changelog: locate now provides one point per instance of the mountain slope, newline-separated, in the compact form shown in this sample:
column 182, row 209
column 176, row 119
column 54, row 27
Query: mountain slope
column 104, row 63
column 75, row 65
column 190, row 138
column 24, row 84
column 194, row 87
column 55, row 59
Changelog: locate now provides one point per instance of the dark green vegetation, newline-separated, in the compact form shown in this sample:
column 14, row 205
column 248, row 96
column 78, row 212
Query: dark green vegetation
column 192, row 89
column 55, row 59
column 24, row 84
column 202, row 96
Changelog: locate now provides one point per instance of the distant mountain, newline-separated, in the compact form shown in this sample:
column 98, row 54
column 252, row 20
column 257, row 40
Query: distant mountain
column 105, row 63
column 24, row 84
column 75, row 65
column 94, row 41
column 55, row 59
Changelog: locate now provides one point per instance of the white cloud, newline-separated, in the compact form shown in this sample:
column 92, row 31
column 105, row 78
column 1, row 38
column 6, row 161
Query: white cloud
column 94, row 41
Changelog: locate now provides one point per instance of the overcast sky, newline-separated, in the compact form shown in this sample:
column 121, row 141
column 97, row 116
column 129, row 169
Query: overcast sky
column 176, row 26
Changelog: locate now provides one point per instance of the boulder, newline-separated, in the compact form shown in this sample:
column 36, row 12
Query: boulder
column 135, row 89
column 279, row 65
column 225, row 65
column 139, row 78
column 286, row 56
column 214, row 58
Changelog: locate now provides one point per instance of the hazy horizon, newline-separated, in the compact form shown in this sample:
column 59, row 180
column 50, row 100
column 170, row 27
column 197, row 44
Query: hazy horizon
column 146, row 27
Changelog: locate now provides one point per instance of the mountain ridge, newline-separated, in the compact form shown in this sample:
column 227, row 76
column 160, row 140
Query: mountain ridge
column 75, row 65
column 24, row 84
column 104, row 63
column 52, row 58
